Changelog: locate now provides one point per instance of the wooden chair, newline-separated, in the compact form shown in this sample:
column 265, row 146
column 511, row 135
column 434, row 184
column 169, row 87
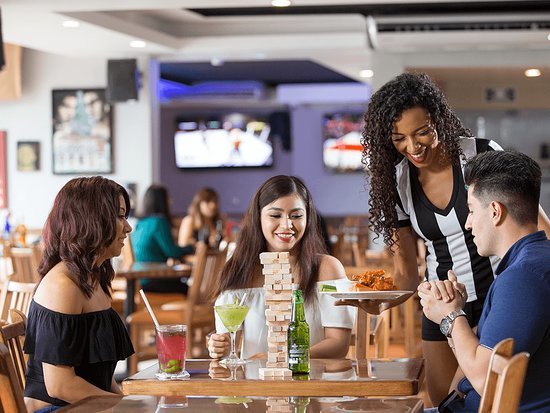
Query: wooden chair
column 126, row 260
column 15, row 295
column 12, row 336
column 505, row 378
column 11, row 395
column 197, row 311
column 24, row 262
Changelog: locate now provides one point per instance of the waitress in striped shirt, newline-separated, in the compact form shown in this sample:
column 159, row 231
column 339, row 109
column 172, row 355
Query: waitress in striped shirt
column 415, row 149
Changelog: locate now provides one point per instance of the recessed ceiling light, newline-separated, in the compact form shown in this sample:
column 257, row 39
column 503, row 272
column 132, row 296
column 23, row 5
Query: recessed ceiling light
column 532, row 73
column 216, row 61
column 281, row 3
column 367, row 73
column 70, row 24
column 138, row 43
column 548, row 37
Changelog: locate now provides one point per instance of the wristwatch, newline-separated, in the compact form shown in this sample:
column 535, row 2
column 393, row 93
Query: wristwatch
column 446, row 325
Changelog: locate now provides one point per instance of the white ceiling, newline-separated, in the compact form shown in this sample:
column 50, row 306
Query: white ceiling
column 173, row 33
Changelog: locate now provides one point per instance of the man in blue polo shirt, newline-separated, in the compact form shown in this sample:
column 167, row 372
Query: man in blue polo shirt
column 503, row 202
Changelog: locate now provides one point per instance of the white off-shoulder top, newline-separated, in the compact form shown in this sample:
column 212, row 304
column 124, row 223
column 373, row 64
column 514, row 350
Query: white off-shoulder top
column 320, row 313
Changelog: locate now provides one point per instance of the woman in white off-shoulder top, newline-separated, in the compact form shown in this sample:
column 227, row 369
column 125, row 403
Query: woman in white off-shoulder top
column 282, row 217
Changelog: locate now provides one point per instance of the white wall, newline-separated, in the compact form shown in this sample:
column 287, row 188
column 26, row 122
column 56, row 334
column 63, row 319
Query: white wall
column 31, row 194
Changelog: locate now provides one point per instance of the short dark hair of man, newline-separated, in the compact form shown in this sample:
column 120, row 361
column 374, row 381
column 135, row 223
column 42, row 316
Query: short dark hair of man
column 509, row 177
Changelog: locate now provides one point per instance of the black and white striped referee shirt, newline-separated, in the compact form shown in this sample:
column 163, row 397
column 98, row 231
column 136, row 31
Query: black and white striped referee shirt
column 449, row 245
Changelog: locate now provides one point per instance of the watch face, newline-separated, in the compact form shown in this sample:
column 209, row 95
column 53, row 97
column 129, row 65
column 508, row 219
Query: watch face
column 445, row 326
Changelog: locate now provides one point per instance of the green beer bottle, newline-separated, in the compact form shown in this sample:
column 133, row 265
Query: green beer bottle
column 298, row 336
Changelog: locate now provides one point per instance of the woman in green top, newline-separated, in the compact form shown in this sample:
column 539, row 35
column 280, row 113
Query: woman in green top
column 152, row 240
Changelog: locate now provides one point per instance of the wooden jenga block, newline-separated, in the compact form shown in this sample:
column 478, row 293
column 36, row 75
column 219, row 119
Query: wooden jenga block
column 287, row 278
column 278, row 296
column 269, row 255
column 273, row 278
column 278, row 364
column 274, row 372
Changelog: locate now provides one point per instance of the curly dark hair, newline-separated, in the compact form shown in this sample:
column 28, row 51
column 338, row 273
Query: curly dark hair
column 380, row 157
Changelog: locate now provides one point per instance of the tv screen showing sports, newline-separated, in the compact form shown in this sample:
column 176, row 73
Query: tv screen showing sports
column 342, row 141
column 223, row 141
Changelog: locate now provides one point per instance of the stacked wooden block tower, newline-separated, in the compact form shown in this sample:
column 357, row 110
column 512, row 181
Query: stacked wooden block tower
column 278, row 307
column 278, row 404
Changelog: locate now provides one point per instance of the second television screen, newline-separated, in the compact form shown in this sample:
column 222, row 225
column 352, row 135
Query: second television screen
column 342, row 141
column 223, row 140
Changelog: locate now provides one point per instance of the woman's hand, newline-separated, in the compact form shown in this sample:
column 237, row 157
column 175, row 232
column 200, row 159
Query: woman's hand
column 445, row 289
column 218, row 345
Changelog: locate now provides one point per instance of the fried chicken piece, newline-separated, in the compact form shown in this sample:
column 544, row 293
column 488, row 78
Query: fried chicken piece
column 375, row 279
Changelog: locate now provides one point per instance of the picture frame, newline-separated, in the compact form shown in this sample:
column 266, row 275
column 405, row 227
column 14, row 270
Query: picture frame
column 82, row 141
column 3, row 170
column 28, row 156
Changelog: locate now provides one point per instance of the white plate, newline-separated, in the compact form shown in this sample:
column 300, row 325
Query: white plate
column 367, row 295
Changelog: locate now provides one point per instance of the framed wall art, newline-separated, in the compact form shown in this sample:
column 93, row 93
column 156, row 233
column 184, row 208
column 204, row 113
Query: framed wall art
column 28, row 156
column 3, row 171
column 82, row 141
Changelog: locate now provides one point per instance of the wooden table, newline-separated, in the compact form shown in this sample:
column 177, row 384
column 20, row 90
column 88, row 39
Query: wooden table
column 387, row 377
column 151, row 404
column 141, row 270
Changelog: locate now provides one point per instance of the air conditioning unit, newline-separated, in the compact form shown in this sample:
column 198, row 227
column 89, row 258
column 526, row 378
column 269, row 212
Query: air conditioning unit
column 461, row 32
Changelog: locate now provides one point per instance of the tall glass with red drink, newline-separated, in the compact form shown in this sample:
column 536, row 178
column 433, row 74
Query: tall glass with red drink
column 171, row 346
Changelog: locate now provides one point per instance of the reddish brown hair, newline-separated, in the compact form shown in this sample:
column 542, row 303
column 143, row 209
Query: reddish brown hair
column 80, row 226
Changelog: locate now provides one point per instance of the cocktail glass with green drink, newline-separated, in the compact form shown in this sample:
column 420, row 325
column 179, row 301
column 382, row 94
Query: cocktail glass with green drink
column 232, row 316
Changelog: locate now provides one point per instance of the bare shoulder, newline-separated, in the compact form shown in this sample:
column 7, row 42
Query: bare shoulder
column 331, row 268
column 58, row 292
column 187, row 221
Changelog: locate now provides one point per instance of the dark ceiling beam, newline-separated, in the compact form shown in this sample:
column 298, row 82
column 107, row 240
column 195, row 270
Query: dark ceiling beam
column 393, row 9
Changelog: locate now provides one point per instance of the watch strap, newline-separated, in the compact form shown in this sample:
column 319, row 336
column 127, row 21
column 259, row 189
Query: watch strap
column 452, row 316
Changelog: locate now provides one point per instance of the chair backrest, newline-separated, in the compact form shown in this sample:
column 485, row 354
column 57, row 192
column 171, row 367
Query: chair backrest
column 11, row 395
column 206, row 268
column 16, row 295
column 12, row 336
column 25, row 263
column 504, row 381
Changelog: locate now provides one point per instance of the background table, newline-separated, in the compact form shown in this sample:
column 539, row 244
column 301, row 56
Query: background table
column 141, row 270
column 384, row 377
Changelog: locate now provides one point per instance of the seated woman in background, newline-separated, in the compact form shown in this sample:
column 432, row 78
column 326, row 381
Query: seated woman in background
column 281, row 217
column 74, row 338
column 152, row 240
column 203, row 222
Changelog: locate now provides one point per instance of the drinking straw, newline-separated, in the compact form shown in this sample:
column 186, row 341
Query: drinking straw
column 242, row 299
column 146, row 301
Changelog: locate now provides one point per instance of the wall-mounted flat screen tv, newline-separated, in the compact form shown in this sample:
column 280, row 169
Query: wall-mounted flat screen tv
column 342, row 141
column 228, row 140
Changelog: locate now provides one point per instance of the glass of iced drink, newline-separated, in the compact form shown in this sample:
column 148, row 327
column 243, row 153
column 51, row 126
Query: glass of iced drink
column 171, row 345
column 232, row 316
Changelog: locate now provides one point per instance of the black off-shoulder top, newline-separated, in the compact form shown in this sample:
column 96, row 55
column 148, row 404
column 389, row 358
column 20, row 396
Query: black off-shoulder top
column 92, row 343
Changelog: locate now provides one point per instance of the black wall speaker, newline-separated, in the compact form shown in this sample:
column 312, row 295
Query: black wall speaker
column 122, row 80
column 280, row 126
column 2, row 58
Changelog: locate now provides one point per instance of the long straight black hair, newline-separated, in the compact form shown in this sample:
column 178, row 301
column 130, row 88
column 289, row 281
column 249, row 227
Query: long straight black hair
column 239, row 271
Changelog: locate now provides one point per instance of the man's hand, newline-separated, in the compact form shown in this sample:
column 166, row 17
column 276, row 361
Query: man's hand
column 439, row 298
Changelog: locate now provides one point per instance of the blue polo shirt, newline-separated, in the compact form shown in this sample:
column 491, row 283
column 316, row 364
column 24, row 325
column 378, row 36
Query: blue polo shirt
column 518, row 306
